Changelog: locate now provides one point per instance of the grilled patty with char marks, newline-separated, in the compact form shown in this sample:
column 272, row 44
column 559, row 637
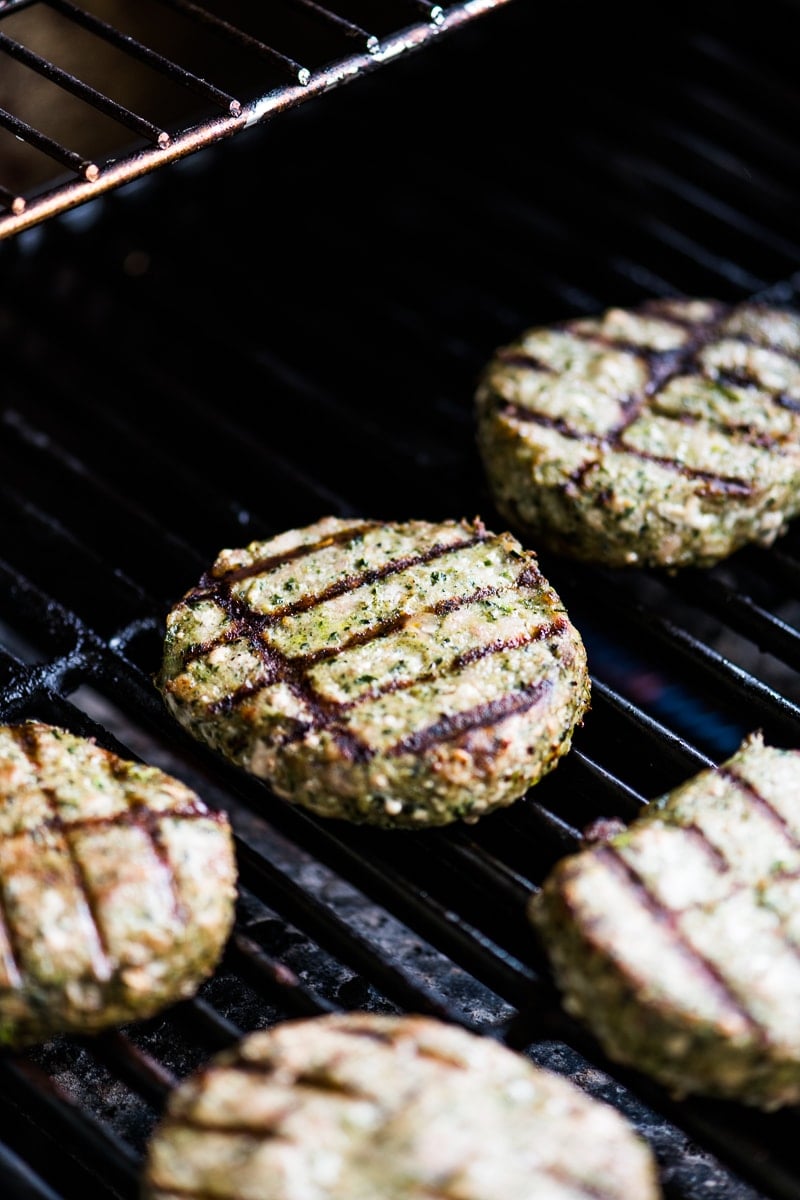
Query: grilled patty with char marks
column 396, row 674
column 117, row 886
column 678, row 940
column 356, row 1107
column 666, row 436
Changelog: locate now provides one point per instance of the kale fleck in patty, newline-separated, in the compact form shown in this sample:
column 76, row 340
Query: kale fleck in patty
column 359, row 1107
column 117, row 886
column 678, row 940
column 664, row 436
column 398, row 674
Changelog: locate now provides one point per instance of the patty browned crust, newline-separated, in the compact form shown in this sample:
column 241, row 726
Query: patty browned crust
column 678, row 940
column 667, row 435
column 360, row 1107
column 399, row 674
column 117, row 886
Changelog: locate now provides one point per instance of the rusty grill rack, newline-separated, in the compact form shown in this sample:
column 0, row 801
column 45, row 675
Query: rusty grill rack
column 323, row 48
column 252, row 392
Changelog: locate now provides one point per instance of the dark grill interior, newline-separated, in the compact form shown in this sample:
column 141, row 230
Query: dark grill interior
column 290, row 324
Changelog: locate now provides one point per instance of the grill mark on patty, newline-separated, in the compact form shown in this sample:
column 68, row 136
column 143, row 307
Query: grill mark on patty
column 305, row 1080
column 760, row 802
column 742, row 378
column 542, row 633
column 341, row 538
column 745, row 433
column 236, row 1129
column 655, row 308
column 149, row 821
column 713, row 852
column 384, row 629
column 152, row 827
column 489, row 713
column 138, row 815
column 263, row 1133
column 713, row 484
column 129, row 816
column 728, row 485
column 27, row 739
column 280, row 668
column 337, row 708
column 248, row 624
column 717, row 983
column 217, row 590
column 518, row 357
column 748, row 339
column 662, row 367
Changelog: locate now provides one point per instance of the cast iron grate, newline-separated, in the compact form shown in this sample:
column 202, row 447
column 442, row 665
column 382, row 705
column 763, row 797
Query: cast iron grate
column 96, row 94
column 250, row 391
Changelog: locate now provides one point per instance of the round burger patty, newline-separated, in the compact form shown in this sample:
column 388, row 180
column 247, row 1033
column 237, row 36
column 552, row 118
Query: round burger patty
column 668, row 435
column 397, row 674
column 360, row 1107
column 678, row 941
column 116, row 886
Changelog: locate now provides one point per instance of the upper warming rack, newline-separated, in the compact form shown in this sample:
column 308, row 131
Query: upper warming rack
column 94, row 95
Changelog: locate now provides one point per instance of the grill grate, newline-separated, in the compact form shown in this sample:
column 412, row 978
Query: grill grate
column 253, row 391
column 328, row 49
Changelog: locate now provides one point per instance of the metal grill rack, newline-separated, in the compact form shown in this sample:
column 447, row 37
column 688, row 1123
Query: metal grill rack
column 52, row 50
column 172, row 386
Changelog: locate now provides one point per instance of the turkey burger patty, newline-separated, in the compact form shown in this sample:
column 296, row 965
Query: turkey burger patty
column 665, row 436
column 397, row 674
column 678, row 941
column 356, row 1107
column 117, row 886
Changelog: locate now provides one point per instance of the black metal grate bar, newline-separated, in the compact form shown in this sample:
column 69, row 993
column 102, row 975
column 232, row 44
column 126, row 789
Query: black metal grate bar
column 349, row 28
column 140, row 1070
column 111, row 1159
column 83, row 91
column 299, row 1000
column 301, row 74
column 434, row 12
column 60, row 154
column 777, row 713
column 23, row 1182
column 151, row 58
column 743, row 614
column 14, row 203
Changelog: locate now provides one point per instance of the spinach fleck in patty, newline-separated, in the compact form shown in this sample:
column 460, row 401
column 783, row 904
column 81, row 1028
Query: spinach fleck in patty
column 398, row 674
